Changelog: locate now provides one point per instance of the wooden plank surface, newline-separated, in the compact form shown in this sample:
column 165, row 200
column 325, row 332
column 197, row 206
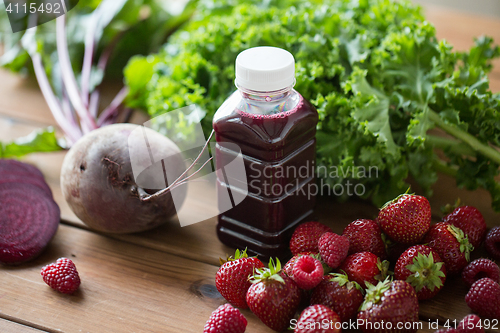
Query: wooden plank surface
column 149, row 282
column 7, row 326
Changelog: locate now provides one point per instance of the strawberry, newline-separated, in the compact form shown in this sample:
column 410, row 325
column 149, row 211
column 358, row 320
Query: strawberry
column 479, row 269
column 307, row 272
column 484, row 298
column 365, row 236
column 333, row 248
column 421, row 267
column 318, row 319
column 451, row 244
column 492, row 242
column 340, row 294
column 305, row 237
column 273, row 297
column 62, row 276
column 470, row 324
column 471, row 221
column 226, row 319
column 405, row 219
column 231, row 279
column 365, row 266
column 395, row 303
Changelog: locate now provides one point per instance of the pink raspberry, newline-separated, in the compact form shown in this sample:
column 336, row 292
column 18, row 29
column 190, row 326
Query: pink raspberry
column 480, row 268
column 492, row 242
column 307, row 272
column 61, row 276
column 226, row 319
column 333, row 248
column 470, row 324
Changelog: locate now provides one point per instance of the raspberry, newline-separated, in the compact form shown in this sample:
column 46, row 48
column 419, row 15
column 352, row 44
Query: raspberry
column 288, row 268
column 479, row 269
column 61, row 276
column 305, row 237
column 470, row 323
column 226, row 319
column 333, row 248
column 314, row 314
column 492, row 243
column 307, row 272
column 484, row 298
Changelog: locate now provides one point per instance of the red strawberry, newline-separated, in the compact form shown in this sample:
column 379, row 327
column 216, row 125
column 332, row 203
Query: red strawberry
column 492, row 242
column 365, row 236
column 365, row 266
column 231, row 279
column 470, row 324
column 307, row 272
column 305, row 237
column 273, row 297
column 484, row 298
column 471, row 221
column 479, row 269
column 226, row 319
column 61, row 276
column 333, row 248
column 451, row 244
column 340, row 294
column 395, row 303
column 318, row 319
column 421, row 267
column 406, row 219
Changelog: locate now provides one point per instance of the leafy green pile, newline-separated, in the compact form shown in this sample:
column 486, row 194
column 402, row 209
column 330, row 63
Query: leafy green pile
column 388, row 93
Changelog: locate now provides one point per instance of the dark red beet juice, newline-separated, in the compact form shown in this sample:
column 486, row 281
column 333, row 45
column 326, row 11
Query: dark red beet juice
column 274, row 128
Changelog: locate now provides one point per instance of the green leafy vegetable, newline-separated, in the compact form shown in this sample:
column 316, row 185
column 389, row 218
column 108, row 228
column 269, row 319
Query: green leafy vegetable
column 42, row 140
column 388, row 93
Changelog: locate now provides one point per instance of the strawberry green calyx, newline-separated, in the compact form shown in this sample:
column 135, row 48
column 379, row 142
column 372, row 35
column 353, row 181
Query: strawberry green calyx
column 448, row 208
column 465, row 247
column 375, row 293
column 383, row 266
column 390, row 202
column 237, row 255
column 343, row 280
column 426, row 273
column 271, row 273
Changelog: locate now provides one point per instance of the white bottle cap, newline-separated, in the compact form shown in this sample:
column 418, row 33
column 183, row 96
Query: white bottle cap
column 265, row 68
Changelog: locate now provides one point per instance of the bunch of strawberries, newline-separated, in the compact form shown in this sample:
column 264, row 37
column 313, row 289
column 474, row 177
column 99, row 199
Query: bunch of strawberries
column 345, row 279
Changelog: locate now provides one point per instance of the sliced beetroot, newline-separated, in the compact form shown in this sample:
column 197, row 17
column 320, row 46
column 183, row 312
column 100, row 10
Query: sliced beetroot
column 9, row 166
column 19, row 178
column 28, row 220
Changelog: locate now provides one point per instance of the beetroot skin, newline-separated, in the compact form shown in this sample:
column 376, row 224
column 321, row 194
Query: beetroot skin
column 98, row 183
column 28, row 220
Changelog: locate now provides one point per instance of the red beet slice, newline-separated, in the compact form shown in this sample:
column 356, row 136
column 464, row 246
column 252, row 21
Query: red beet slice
column 20, row 178
column 28, row 220
column 9, row 166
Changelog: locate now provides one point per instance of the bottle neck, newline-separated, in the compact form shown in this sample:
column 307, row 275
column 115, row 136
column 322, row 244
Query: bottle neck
column 272, row 97
column 267, row 102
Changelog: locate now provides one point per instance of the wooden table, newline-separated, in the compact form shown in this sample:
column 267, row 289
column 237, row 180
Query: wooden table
column 163, row 280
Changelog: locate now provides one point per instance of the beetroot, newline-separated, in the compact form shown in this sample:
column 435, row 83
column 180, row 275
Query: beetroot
column 17, row 167
column 28, row 220
column 26, row 179
column 98, row 183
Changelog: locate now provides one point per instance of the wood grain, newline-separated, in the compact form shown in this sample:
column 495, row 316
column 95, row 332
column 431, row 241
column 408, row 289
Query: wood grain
column 125, row 288
column 7, row 326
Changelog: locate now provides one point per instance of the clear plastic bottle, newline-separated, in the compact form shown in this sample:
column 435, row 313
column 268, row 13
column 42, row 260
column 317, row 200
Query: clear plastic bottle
column 275, row 127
